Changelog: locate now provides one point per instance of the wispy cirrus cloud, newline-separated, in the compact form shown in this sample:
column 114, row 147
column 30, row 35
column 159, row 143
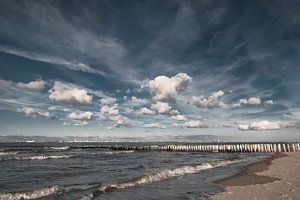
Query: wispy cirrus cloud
column 77, row 66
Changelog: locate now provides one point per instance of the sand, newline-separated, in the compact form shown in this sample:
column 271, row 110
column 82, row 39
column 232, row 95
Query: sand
column 275, row 178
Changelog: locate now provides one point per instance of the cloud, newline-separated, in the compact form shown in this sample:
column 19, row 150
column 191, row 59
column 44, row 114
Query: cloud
column 112, row 113
column 179, row 118
column 266, row 125
column 108, row 101
column 155, row 125
column 177, row 125
column 113, row 110
column 243, row 126
column 269, row 102
column 80, row 116
column 162, row 107
column 52, row 108
column 128, row 110
column 250, row 101
column 147, row 111
column 134, row 101
column 195, row 124
column 68, row 94
column 34, row 113
column 82, row 123
column 33, row 85
column 213, row 101
column 164, row 88
column 77, row 66
column 236, row 105
column 118, row 120
column 6, row 83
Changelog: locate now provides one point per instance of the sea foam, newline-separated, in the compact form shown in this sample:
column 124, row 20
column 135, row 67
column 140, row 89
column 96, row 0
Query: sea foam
column 38, row 157
column 166, row 174
column 113, row 152
column 34, row 194
column 7, row 153
column 60, row 148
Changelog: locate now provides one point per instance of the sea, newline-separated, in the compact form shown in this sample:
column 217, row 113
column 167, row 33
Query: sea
column 84, row 171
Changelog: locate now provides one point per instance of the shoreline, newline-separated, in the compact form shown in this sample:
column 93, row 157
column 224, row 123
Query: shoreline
column 248, row 176
column 276, row 177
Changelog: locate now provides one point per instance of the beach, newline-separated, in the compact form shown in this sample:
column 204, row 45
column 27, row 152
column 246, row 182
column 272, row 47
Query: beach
column 277, row 177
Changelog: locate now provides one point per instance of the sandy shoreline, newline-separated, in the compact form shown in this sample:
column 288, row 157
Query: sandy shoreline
column 277, row 177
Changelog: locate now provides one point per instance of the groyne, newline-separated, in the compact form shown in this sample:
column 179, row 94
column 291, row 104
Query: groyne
column 219, row 147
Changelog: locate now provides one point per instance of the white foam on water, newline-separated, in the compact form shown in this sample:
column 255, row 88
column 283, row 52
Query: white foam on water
column 39, row 157
column 34, row 194
column 43, row 157
column 113, row 152
column 166, row 174
column 7, row 153
column 60, row 148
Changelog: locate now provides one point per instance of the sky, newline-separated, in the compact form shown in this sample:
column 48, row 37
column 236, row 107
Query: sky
column 141, row 67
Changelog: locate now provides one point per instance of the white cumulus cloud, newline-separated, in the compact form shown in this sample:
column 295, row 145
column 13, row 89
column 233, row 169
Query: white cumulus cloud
column 213, row 101
column 81, row 116
column 34, row 113
column 108, row 101
column 155, row 125
column 33, row 85
column 68, row 94
column 135, row 101
column 147, row 111
column 162, row 107
column 107, row 110
column 165, row 88
column 6, row 83
column 112, row 113
column 269, row 102
column 250, row 101
column 179, row 118
column 195, row 124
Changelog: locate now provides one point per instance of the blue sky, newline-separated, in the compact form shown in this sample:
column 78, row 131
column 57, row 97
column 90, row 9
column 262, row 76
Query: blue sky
column 149, row 67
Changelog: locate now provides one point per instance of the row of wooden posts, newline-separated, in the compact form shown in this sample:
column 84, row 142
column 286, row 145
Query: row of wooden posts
column 229, row 148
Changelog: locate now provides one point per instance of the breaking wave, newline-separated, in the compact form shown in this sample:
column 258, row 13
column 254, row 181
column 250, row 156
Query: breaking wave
column 34, row 194
column 114, row 152
column 60, row 148
column 161, row 176
column 39, row 157
column 7, row 153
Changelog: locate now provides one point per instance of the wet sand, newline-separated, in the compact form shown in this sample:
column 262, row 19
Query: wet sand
column 277, row 177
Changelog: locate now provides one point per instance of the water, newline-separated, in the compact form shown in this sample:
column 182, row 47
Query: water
column 66, row 171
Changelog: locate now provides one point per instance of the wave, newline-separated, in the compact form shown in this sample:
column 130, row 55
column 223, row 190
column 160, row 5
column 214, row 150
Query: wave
column 39, row 157
column 34, row 194
column 118, row 152
column 60, row 148
column 163, row 175
column 113, row 152
column 7, row 153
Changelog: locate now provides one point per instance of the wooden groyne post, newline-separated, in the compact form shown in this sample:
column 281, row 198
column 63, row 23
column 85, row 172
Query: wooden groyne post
column 217, row 147
column 234, row 148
